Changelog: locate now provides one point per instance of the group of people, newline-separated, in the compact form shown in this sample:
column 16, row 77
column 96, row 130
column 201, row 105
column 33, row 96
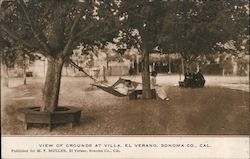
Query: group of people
column 126, row 87
column 194, row 80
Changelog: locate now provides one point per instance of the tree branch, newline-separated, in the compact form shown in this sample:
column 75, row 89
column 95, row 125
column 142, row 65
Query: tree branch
column 75, row 23
column 15, row 37
column 70, row 41
column 36, row 34
column 73, row 40
column 77, row 41
column 137, row 14
column 82, row 32
column 130, row 8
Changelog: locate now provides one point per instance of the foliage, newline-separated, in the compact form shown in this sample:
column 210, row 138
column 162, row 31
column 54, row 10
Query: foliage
column 8, row 54
column 56, row 27
column 13, row 54
column 242, row 63
column 191, row 28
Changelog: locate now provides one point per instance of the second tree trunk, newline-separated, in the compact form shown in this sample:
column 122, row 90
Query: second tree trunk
column 146, row 91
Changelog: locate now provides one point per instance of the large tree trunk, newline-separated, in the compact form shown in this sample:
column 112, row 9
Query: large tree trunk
column 146, row 93
column 52, row 84
column 67, row 73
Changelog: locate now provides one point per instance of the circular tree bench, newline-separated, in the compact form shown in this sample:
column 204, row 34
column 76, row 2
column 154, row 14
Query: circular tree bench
column 33, row 115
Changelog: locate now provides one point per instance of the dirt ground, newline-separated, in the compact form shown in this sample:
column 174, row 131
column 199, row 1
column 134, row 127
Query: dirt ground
column 222, row 107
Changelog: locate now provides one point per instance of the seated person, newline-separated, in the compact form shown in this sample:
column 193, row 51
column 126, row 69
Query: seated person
column 161, row 93
column 125, row 87
column 186, row 76
column 188, row 81
column 199, row 79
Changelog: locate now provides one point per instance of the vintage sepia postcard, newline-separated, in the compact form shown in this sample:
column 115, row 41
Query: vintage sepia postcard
column 126, row 79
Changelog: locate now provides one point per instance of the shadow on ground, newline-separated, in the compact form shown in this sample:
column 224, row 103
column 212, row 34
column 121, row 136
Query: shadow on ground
column 207, row 111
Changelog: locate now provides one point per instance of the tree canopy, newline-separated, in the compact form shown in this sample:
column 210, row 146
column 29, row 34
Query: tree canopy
column 187, row 27
column 57, row 26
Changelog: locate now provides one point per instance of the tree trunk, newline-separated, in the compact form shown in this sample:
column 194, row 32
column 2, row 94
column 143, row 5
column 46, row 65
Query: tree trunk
column 169, row 65
column 146, row 93
column 107, row 62
column 104, row 74
column 52, row 84
column 182, row 66
column 44, row 68
column 24, row 70
column 107, row 66
column 67, row 72
column 24, row 76
column 5, row 75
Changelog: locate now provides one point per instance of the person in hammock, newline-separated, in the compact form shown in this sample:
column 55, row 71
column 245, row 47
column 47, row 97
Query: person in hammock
column 161, row 93
column 125, row 87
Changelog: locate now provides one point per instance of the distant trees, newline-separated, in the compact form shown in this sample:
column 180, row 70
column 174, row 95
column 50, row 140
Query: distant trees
column 11, row 55
column 199, row 26
column 8, row 57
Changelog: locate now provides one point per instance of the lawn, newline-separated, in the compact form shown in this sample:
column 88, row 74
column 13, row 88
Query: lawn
column 217, row 109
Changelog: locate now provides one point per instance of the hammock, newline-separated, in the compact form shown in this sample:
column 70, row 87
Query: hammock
column 121, row 80
column 106, row 88
column 110, row 90
column 81, row 69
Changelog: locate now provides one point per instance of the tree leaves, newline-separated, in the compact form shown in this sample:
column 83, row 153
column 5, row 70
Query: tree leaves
column 187, row 27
